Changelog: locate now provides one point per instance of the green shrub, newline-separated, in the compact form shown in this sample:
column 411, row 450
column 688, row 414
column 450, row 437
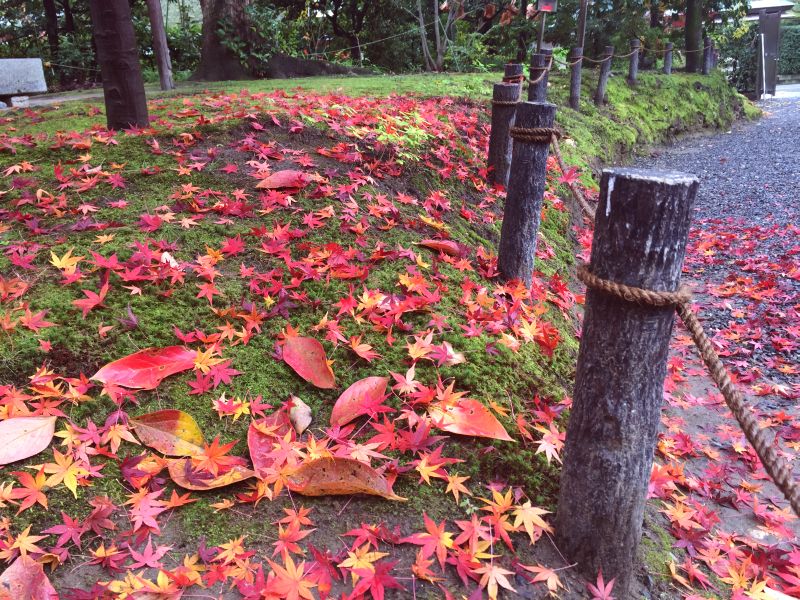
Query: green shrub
column 789, row 57
column 738, row 54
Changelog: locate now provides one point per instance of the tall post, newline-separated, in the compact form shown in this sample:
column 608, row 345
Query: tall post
column 540, row 41
column 581, row 33
column 633, row 65
column 668, row 59
column 707, row 55
column 123, row 87
column 639, row 240
column 576, row 58
column 605, row 71
column 539, row 74
column 504, row 102
column 160, row 46
column 526, row 184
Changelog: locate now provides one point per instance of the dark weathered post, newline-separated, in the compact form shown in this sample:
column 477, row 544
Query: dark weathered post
column 668, row 59
column 539, row 73
column 525, row 191
column 513, row 73
column 639, row 240
column 605, row 71
column 633, row 66
column 576, row 58
column 123, row 87
column 504, row 103
column 707, row 50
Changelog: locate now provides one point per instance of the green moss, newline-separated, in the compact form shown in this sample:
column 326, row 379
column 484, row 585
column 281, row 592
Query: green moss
column 655, row 549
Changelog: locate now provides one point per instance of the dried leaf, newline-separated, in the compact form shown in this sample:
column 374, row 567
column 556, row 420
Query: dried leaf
column 25, row 580
column 23, row 437
column 338, row 476
column 307, row 357
column 261, row 436
column 467, row 417
column 447, row 246
column 172, row 432
column 299, row 414
column 358, row 399
column 182, row 473
column 288, row 178
column 147, row 368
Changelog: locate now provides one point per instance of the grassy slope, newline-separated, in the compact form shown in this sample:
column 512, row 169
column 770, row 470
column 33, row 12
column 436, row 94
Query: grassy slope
column 656, row 110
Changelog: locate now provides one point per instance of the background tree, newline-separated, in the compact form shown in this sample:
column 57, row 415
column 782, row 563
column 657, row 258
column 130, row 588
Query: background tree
column 693, row 32
column 217, row 61
column 160, row 46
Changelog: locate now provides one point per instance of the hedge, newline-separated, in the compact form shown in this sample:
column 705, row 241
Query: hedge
column 789, row 57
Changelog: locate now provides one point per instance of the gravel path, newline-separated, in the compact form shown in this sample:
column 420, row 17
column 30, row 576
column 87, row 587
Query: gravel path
column 743, row 263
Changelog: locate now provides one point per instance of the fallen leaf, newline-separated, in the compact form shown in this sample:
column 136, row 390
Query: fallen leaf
column 307, row 357
column 299, row 414
column 182, row 473
column 147, row 368
column 25, row 580
column 447, row 246
column 23, row 437
column 467, row 417
column 337, row 476
column 358, row 399
column 288, row 178
column 171, row 432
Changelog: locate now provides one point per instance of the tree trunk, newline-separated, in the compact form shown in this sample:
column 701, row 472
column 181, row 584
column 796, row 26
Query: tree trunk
column 117, row 55
column 426, row 52
column 655, row 14
column 160, row 46
column 69, row 21
column 217, row 62
column 437, row 37
column 693, row 34
column 584, row 8
column 51, row 27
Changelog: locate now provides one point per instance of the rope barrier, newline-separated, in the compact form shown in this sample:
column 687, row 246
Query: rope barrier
column 779, row 470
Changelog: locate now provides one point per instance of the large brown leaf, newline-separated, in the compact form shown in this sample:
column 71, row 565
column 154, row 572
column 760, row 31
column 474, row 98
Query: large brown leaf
column 338, row 476
column 359, row 399
column 23, row 437
column 307, row 357
column 145, row 369
column 173, row 432
column 182, row 473
column 467, row 417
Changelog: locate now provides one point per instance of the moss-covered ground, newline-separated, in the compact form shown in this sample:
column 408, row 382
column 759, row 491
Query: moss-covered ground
column 396, row 160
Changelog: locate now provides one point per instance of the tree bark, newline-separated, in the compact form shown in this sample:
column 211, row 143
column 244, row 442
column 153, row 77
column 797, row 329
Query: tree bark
column 160, row 46
column 639, row 240
column 69, row 20
column 693, row 35
column 51, row 27
column 581, row 37
column 576, row 57
column 655, row 14
column 117, row 55
column 605, row 71
column 426, row 52
column 217, row 62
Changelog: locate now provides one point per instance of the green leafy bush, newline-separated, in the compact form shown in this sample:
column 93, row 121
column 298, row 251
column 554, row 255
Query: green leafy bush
column 738, row 54
column 789, row 57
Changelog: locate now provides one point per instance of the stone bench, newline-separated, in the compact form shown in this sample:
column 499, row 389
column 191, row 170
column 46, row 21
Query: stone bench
column 20, row 77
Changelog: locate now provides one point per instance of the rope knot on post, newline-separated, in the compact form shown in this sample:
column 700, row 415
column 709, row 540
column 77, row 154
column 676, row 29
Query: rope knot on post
column 536, row 135
column 634, row 294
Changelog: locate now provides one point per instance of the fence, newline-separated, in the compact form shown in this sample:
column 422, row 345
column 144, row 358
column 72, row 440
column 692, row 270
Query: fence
column 641, row 228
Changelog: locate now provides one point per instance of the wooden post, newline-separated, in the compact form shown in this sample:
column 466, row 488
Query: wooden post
column 160, row 46
column 639, row 240
column 513, row 72
column 706, row 55
column 668, row 59
column 605, row 71
column 123, row 87
column 540, row 41
column 539, row 73
column 504, row 99
column 633, row 66
column 525, row 193
column 575, row 57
